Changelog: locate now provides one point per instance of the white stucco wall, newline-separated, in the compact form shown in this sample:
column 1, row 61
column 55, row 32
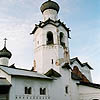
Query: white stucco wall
column 43, row 53
column 4, row 61
column 89, row 93
column 55, row 88
column 73, row 92
column 19, row 84
column 87, row 72
column 50, row 13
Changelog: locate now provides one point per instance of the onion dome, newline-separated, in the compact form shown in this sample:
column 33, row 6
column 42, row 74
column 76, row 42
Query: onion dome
column 49, row 5
column 4, row 52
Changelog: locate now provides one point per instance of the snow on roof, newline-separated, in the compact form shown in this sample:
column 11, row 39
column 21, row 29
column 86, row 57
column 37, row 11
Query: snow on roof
column 22, row 72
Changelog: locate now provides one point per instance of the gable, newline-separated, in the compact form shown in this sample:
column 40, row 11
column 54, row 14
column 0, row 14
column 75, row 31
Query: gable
column 77, row 73
column 76, row 61
column 84, row 68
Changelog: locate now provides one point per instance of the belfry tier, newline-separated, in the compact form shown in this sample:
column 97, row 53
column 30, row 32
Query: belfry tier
column 51, row 46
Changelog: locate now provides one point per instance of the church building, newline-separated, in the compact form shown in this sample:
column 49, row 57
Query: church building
column 54, row 76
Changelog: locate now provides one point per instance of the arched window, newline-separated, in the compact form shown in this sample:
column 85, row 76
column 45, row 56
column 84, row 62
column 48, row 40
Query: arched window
column 49, row 38
column 62, row 40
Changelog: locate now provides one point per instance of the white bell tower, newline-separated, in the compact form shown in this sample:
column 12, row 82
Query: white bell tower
column 51, row 49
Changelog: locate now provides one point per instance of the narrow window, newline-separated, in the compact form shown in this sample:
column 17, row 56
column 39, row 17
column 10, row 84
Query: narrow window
column 49, row 38
column 52, row 61
column 42, row 91
column 62, row 39
column 66, row 89
column 28, row 90
column 25, row 90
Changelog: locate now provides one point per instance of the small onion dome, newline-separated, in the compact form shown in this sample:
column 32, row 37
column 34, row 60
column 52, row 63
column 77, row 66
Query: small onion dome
column 49, row 5
column 5, row 53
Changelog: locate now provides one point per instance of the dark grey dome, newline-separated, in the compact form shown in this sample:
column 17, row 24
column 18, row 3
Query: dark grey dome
column 5, row 53
column 49, row 5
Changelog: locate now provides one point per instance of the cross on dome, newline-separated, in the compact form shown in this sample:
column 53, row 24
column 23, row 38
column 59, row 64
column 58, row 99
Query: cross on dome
column 5, row 39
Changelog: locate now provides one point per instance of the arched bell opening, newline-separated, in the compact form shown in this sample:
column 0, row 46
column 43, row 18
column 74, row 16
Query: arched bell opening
column 50, row 38
column 62, row 39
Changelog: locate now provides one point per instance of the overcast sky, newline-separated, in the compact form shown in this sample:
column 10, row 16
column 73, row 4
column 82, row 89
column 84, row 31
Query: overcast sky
column 17, row 19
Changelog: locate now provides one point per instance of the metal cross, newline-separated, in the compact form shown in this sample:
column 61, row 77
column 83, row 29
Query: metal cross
column 5, row 39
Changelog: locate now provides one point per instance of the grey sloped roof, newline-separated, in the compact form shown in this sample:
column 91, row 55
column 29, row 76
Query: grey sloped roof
column 22, row 72
column 89, row 84
column 82, row 64
column 86, row 64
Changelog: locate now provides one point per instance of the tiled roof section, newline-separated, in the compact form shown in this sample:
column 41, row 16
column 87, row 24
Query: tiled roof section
column 49, row 21
column 4, row 82
column 52, row 72
column 76, row 75
column 89, row 84
column 82, row 64
column 23, row 72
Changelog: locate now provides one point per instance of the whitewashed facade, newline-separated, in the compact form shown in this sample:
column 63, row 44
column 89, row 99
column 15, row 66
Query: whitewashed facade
column 55, row 76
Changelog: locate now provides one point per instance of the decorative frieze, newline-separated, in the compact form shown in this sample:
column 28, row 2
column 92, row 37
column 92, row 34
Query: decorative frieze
column 30, row 97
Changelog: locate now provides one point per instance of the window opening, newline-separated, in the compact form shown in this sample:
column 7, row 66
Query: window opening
column 49, row 38
column 66, row 89
column 28, row 90
column 62, row 39
column 52, row 61
column 42, row 91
